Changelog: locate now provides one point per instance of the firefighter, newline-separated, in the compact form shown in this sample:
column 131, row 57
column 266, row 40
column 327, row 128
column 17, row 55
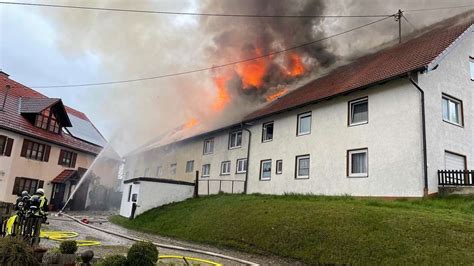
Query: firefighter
column 22, row 202
column 40, row 203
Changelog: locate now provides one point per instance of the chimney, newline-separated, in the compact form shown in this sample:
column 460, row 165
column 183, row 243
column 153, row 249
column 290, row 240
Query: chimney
column 3, row 74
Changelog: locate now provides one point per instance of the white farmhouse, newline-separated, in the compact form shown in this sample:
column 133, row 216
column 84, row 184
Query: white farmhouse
column 382, row 126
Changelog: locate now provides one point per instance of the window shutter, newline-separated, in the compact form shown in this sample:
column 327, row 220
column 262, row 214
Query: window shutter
column 61, row 155
column 3, row 141
column 41, row 184
column 23, row 149
column 47, row 151
column 16, row 186
column 8, row 149
column 73, row 160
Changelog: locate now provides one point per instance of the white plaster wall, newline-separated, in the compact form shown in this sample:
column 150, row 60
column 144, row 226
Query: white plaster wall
column 125, row 205
column 451, row 77
column 154, row 194
column 392, row 136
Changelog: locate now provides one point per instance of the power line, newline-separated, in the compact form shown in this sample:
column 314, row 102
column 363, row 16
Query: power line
column 437, row 8
column 213, row 67
column 190, row 13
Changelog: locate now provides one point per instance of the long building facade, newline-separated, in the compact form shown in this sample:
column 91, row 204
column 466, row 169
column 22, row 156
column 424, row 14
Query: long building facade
column 381, row 126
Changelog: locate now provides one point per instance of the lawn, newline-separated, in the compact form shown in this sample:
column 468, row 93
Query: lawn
column 317, row 229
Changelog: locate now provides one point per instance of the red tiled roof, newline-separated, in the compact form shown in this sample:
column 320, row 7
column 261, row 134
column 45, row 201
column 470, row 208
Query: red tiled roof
column 11, row 119
column 64, row 176
column 386, row 64
column 36, row 105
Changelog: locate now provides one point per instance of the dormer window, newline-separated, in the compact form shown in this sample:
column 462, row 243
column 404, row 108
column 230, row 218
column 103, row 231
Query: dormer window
column 47, row 121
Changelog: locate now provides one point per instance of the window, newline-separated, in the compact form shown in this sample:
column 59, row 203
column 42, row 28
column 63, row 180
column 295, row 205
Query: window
column 173, row 168
column 28, row 184
column 304, row 124
column 6, row 145
column 47, row 121
column 359, row 112
column 209, row 146
column 34, row 150
column 206, row 170
column 267, row 132
column 159, row 171
column 279, row 167
column 265, row 170
column 189, row 166
column 235, row 140
column 67, row 158
column 225, row 168
column 471, row 65
column 302, row 166
column 452, row 110
column 241, row 166
column 454, row 161
column 357, row 163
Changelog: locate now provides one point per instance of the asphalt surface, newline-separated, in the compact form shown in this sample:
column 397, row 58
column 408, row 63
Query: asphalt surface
column 111, row 244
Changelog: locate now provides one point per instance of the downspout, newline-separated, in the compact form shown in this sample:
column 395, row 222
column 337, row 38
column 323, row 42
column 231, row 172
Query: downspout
column 248, row 156
column 423, row 128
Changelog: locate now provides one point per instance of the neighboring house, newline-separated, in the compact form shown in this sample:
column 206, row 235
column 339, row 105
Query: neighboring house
column 45, row 144
column 381, row 126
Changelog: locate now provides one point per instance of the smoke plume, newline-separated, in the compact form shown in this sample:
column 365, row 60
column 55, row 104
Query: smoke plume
column 130, row 45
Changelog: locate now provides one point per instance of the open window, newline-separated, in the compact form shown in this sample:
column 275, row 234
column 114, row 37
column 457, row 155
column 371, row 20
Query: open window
column 235, row 140
column 267, row 132
column 452, row 110
column 359, row 112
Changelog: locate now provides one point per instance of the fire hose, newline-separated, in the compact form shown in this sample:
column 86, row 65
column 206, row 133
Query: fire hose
column 63, row 235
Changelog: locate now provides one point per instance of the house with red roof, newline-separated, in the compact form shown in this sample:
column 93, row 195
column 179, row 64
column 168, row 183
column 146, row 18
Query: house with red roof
column 395, row 123
column 45, row 144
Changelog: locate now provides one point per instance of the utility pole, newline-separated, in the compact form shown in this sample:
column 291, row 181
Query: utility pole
column 398, row 17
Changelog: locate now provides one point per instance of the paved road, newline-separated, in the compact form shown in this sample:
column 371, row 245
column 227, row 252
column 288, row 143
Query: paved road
column 118, row 245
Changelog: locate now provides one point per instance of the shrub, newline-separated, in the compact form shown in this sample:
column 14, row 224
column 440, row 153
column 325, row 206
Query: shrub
column 114, row 260
column 142, row 253
column 68, row 247
column 16, row 252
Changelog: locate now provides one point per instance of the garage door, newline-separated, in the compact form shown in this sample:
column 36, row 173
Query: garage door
column 454, row 161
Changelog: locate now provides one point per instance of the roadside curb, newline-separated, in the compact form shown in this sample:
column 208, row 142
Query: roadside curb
column 209, row 253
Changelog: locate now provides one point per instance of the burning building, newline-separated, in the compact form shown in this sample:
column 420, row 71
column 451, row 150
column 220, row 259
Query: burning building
column 387, row 124
column 46, row 144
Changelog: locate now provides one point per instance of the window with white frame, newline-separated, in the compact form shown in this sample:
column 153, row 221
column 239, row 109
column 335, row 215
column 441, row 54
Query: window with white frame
column 452, row 110
column 206, row 170
column 265, row 170
column 159, row 171
column 359, row 112
column 241, row 166
column 302, row 166
column 235, row 140
column 208, row 146
column 189, row 166
column 173, row 168
column 267, row 132
column 357, row 163
column 304, row 124
column 279, row 167
column 225, row 168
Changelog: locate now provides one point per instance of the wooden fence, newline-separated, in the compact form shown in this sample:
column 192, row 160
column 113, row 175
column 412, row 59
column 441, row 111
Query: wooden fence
column 463, row 178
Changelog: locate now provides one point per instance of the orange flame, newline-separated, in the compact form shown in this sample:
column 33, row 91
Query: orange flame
column 191, row 123
column 223, row 97
column 276, row 95
column 253, row 72
column 295, row 65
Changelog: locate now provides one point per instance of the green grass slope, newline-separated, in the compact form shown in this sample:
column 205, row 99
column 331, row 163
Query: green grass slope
column 317, row 229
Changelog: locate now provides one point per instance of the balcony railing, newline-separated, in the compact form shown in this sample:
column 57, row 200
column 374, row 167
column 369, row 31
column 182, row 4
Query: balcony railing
column 464, row 178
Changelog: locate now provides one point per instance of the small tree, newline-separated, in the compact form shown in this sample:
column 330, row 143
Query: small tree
column 68, row 247
column 142, row 253
column 114, row 260
column 16, row 252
